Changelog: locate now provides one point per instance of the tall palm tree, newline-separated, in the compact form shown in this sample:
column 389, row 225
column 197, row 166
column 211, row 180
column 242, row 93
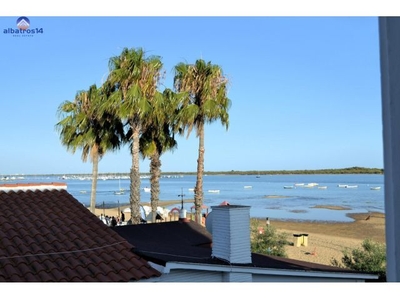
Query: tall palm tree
column 157, row 138
column 81, row 127
column 206, row 102
column 135, row 78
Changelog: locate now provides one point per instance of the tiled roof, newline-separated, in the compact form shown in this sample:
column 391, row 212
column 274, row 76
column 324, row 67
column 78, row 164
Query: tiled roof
column 169, row 241
column 48, row 235
column 190, row 242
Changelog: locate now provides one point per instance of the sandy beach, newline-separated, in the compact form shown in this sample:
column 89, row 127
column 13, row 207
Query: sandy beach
column 326, row 240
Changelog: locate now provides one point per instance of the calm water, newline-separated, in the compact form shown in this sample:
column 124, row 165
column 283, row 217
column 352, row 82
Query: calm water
column 267, row 196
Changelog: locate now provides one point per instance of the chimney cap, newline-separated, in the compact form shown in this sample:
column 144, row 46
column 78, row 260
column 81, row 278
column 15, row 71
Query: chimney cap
column 229, row 206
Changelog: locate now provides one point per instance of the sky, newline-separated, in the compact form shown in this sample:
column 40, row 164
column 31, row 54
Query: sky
column 305, row 90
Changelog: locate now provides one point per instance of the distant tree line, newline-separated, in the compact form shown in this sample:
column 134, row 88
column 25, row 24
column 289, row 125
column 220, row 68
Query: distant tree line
column 353, row 170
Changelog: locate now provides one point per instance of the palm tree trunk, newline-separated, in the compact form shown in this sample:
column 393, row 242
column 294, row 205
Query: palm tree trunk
column 95, row 172
column 198, row 195
column 134, row 198
column 155, row 164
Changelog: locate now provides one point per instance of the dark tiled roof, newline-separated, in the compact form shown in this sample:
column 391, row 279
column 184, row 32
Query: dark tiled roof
column 48, row 235
column 169, row 241
column 191, row 242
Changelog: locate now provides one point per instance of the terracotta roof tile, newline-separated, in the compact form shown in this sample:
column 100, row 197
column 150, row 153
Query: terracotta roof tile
column 47, row 235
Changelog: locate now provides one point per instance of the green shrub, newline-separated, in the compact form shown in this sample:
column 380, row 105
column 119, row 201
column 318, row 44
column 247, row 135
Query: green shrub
column 371, row 258
column 267, row 240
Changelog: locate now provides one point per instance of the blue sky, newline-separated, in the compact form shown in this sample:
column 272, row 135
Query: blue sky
column 305, row 91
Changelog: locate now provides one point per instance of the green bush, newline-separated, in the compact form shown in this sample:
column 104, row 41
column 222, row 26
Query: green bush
column 371, row 258
column 268, row 241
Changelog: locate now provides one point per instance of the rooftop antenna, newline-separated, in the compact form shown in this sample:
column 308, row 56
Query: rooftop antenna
column 181, row 195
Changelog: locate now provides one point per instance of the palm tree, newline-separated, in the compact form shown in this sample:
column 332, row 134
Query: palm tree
column 157, row 138
column 206, row 102
column 135, row 78
column 81, row 127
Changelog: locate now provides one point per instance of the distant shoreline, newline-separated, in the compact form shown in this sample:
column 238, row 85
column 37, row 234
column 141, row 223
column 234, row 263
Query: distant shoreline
column 341, row 171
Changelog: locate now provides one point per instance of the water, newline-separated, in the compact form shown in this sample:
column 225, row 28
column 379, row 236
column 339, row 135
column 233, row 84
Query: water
column 267, row 196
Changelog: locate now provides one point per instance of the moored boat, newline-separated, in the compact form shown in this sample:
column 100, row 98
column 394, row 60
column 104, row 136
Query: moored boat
column 213, row 191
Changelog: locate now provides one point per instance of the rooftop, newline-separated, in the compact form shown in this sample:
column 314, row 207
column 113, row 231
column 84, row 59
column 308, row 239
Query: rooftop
column 48, row 235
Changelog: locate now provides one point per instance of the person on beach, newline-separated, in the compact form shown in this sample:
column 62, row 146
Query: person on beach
column 103, row 218
column 267, row 222
column 122, row 216
column 113, row 221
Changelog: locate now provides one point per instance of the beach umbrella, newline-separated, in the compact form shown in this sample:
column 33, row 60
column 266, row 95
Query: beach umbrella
column 147, row 209
column 175, row 209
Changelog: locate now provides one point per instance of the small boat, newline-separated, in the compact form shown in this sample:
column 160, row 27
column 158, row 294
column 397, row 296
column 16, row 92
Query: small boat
column 299, row 184
column 342, row 185
column 288, row 187
column 213, row 191
column 83, row 192
column 310, row 185
column 146, row 190
column 351, row 186
column 248, row 187
column 120, row 191
column 191, row 189
column 324, row 187
column 375, row 188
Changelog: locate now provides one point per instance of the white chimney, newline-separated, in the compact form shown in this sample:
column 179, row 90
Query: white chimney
column 230, row 229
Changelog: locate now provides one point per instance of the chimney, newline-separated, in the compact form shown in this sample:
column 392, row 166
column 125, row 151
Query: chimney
column 230, row 229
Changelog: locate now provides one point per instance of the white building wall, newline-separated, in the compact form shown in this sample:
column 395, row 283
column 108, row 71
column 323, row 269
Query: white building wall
column 237, row 277
column 283, row 279
column 180, row 275
column 187, row 275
